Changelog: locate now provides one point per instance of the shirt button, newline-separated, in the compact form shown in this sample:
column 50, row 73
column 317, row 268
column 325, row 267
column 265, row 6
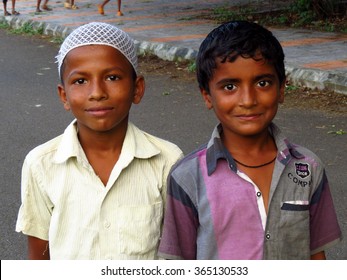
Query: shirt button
column 267, row 236
column 107, row 224
column 258, row 194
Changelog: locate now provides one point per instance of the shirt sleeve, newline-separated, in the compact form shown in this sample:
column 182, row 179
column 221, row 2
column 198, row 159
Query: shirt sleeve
column 35, row 211
column 180, row 225
column 168, row 167
column 325, row 230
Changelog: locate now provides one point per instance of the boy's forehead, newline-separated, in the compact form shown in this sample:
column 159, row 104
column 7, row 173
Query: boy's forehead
column 241, row 65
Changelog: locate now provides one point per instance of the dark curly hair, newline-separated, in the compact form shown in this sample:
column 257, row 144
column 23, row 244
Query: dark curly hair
column 233, row 39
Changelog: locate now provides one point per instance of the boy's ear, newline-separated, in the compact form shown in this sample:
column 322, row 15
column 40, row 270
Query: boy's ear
column 282, row 89
column 139, row 89
column 62, row 96
column 207, row 98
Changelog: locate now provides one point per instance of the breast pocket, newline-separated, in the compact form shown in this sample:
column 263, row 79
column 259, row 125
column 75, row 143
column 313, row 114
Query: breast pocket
column 295, row 218
column 139, row 228
column 295, row 230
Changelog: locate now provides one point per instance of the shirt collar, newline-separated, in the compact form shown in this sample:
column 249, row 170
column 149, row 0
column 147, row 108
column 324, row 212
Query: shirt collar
column 136, row 144
column 286, row 149
column 69, row 145
column 216, row 149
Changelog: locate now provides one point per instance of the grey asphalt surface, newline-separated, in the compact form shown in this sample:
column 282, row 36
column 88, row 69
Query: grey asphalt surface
column 32, row 114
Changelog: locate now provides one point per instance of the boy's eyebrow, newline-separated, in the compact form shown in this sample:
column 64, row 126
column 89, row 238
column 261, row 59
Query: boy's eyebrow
column 256, row 78
column 76, row 72
column 106, row 70
column 264, row 76
column 228, row 81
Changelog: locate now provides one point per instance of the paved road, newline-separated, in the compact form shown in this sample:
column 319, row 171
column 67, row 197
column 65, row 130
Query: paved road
column 31, row 114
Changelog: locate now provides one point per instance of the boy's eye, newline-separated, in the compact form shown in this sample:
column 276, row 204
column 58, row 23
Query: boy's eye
column 264, row 83
column 229, row 87
column 80, row 81
column 113, row 78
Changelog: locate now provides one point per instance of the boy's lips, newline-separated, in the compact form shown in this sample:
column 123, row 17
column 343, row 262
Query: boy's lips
column 248, row 117
column 99, row 111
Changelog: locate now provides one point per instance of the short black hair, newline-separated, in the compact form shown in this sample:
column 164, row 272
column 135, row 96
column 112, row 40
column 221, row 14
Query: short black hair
column 233, row 39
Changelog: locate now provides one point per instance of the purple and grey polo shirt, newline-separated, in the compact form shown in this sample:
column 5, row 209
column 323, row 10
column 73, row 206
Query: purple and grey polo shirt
column 215, row 212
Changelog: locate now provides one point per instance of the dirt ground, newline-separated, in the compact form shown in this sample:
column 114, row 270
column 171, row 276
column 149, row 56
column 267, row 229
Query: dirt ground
column 295, row 97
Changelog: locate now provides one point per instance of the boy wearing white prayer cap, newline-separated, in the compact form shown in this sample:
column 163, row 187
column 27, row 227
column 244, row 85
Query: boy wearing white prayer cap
column 98, row 190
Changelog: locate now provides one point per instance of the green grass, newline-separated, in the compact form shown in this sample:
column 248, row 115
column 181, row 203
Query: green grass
column 27, row 28
column 4, row 25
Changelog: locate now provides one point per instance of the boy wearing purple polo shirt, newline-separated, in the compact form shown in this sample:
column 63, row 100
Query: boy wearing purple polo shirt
column 249, row 193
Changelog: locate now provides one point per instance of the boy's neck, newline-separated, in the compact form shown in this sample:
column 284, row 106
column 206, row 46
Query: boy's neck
column 103, row 150
column 245, row 146
column 102, row 141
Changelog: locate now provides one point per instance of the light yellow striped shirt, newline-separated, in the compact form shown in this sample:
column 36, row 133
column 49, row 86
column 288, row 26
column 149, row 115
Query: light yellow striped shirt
column 64, row 201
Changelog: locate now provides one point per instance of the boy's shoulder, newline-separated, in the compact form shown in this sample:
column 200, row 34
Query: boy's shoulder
column 302, row 151
column 161, row 143
column 45, row 150
column 296, row 150
column 166, row 148
column 190, row 163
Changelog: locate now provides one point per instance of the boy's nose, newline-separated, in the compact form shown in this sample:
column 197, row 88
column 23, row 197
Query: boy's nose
column 248, row 97
column 97, row 91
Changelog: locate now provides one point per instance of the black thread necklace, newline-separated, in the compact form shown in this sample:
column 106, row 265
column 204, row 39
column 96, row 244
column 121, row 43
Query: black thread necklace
column 256, row 166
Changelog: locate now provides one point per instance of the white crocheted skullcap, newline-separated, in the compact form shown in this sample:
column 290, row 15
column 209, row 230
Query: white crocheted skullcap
column 98, row 33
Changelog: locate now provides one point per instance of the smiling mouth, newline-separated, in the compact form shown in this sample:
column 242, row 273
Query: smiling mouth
column 99, row 111
column 249, row 117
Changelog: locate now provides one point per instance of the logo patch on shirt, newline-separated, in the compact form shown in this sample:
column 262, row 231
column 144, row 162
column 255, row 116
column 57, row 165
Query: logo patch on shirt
column 302, row 169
